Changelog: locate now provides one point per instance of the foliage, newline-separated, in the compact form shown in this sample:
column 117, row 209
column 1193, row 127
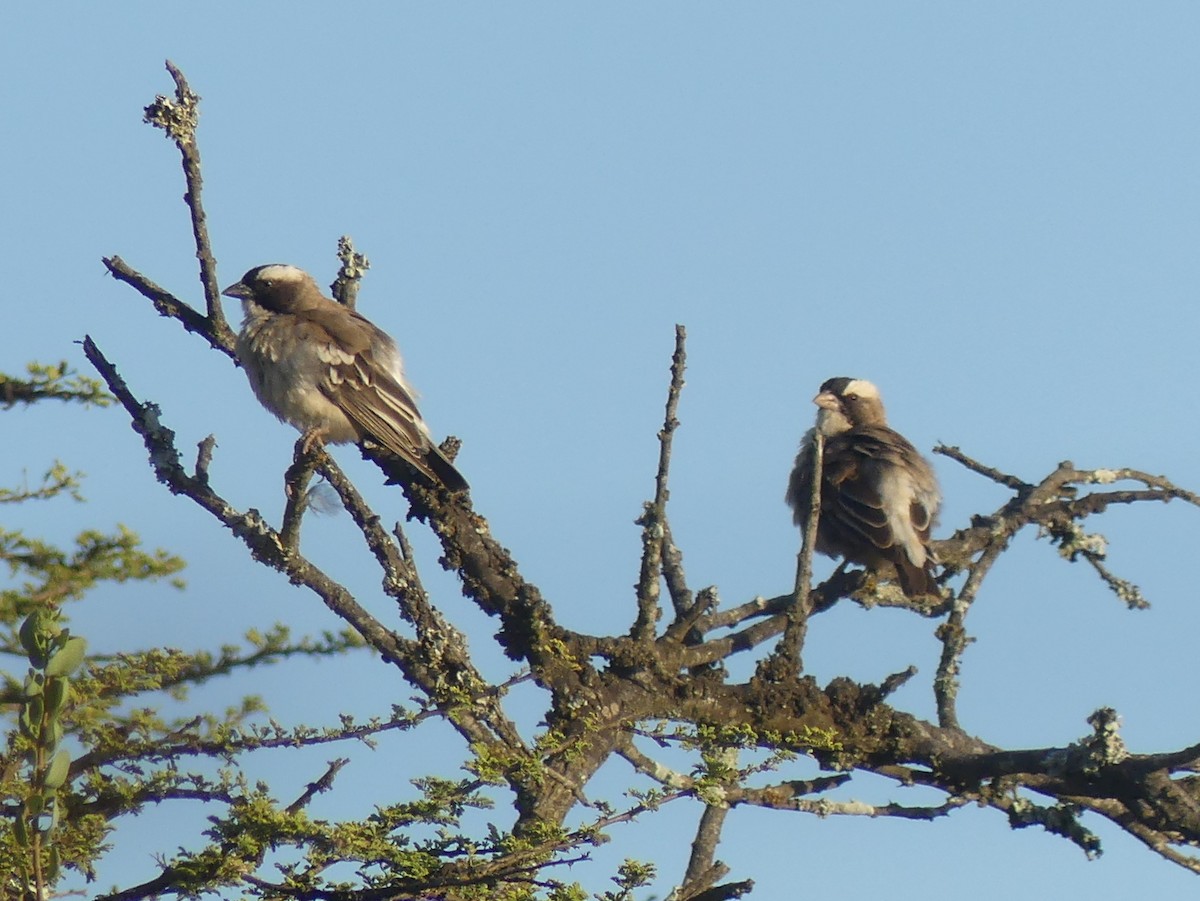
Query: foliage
column 86, row 744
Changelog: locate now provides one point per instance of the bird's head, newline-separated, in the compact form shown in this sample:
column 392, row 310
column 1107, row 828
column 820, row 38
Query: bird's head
column 847, row 404
column 277, row 287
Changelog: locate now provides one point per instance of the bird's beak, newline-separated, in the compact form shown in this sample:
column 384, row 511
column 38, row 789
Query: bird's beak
column 238, row 290
column 827, row 401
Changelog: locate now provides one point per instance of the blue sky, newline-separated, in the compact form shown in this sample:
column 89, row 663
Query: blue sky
column 990, row 210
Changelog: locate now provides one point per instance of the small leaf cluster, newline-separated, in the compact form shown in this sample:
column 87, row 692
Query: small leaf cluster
column 53, row 655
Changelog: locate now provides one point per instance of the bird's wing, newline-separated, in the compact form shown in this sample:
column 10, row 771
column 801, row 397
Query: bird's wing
column 800, row 481
column 882, row 490
column 365, row 380
column 371, row 390
column 851, row 502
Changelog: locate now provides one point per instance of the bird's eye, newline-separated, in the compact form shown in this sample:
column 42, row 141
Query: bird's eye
column 267, row 283
column 849, row 397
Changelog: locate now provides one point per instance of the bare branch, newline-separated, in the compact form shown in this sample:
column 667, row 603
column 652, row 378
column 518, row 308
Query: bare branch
column 651, row 768
column 654, row 517
column 204, row 456
column 684, row 627
column 446, row 671
column 167, row 304
column 787, row 796
column 179, row 119
column 296, row 481
column 350, row 273
column 726, row 892
column 791, row 647
column 323, row 784
column 986, row 471
column 673, row 572
column 703, row 870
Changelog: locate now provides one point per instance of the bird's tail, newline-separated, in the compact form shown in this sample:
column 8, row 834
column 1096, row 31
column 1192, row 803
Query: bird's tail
column 444, row 471
column 916, row 581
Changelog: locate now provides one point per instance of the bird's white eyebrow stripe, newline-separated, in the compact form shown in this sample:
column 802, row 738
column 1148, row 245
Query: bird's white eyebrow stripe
column 862, row 388
column 281, row 271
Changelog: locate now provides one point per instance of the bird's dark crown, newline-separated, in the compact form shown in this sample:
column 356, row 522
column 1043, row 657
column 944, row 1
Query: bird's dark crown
column 857, row 399
column 843, row 386
column 276, row 286
column 836, row 386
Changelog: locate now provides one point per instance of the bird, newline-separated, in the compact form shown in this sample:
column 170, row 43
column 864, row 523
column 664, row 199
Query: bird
column 879, row 496
column 329, row 371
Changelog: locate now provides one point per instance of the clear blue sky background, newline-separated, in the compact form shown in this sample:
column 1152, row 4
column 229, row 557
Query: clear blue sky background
column 989, row 209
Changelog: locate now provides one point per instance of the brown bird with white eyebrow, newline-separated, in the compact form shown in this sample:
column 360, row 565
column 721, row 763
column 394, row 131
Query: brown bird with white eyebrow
column 879, row 496
column 329, row 371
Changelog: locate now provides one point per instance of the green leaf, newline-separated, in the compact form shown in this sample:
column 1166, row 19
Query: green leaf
column 57, row 692
column 56, row 774
column 67, row 660
column 21, row 830
column 31, row 717
column 31, row 637
column 55, row 864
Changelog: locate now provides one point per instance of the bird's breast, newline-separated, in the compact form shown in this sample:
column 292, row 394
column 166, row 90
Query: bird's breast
column 290, row 374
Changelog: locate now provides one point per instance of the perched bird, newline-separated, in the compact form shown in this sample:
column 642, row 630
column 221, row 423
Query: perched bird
column 329, row 371
column 879, row 496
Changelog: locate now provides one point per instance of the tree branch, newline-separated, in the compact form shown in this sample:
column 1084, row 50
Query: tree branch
column 179, row 119
column 654, row 518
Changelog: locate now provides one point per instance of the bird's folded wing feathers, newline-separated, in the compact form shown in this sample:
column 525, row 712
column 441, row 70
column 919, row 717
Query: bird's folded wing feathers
column 854, row 504
column 860, row 476
column 379, row 405
column 361, row 382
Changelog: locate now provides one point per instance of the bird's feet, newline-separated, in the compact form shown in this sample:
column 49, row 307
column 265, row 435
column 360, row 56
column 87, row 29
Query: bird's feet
column 295, row 480
column 312, row 438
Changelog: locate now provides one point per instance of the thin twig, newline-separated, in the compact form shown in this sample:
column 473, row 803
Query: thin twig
column 975, row 466
column 727, row 892
column 791, row 647
column 322, row 784
column 406, row 551
column 896, row 680
column 780, row 798
column 350, row 273
column 167, row 304
column 296, row 481
column 683, row 628
column 204, row 456
column 179, row 118
column 703, row 871
column 673, row 572
column 653, row 518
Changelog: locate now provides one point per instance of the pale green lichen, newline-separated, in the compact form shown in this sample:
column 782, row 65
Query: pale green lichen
column 178, row 118
column 1072, row 541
